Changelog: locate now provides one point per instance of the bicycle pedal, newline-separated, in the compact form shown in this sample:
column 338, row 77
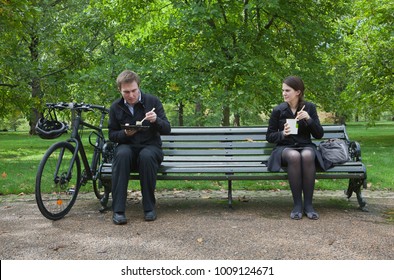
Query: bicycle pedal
column 105, row 209
column 104, row 200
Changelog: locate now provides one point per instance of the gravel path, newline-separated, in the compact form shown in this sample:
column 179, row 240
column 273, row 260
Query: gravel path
column 195, row 225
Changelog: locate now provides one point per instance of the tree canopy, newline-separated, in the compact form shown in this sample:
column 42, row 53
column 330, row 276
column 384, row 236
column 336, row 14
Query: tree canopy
column 211, row 62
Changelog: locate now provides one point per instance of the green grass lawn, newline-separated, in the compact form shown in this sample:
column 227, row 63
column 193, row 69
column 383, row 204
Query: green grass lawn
column 20, row 155
column 377, row 148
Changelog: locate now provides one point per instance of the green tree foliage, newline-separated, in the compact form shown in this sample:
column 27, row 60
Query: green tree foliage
column 39, row 48
column 55, row 51
column 362, row 64
column 233, row 55
column 211, row 61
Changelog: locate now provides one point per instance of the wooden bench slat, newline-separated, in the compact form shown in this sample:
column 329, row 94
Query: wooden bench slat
column 216, row 145
column 215, row 137
column 216, row 158
column 218, row 130
column 339, row 135
column 217, row 152
column 244, row 176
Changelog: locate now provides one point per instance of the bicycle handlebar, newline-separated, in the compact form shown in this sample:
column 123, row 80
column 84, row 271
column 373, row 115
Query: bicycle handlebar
column 77, row 106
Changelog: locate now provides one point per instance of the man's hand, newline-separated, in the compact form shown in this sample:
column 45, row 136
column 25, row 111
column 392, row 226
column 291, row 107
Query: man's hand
column 130, row 132
column 151, row 116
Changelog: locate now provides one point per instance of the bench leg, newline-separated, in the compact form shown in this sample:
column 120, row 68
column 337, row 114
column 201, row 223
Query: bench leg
column 230, row 194
column 355, row 186
column 105, row 198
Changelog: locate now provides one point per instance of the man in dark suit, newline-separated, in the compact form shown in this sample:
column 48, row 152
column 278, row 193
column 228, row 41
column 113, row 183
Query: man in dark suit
column 139, row 148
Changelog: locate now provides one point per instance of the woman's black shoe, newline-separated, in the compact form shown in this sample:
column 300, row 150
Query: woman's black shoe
column 312, row 215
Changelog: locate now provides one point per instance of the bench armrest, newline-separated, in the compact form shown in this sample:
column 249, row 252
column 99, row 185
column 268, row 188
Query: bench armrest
column 354, row 151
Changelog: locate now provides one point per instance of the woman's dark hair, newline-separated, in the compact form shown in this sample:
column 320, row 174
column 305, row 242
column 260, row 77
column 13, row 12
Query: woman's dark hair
column 297, row 84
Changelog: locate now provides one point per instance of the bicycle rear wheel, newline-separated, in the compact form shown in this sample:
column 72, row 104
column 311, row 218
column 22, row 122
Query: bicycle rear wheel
column 98, row 187
column 58, row 181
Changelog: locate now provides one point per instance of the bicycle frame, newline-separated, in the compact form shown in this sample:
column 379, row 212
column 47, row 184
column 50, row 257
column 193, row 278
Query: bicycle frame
column 77, row 124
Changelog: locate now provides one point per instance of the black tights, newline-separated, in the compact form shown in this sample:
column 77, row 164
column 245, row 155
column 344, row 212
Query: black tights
column 301, row 171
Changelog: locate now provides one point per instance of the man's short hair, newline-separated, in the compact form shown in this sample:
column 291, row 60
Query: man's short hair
column 127, row 76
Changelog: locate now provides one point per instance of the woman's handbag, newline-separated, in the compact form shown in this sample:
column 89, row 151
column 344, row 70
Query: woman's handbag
column 334, row 150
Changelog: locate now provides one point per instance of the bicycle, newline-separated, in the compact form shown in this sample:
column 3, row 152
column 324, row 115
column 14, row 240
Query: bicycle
column 59, row 176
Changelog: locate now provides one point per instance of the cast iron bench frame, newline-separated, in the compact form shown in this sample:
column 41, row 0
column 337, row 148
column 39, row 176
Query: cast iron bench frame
column 239, row 153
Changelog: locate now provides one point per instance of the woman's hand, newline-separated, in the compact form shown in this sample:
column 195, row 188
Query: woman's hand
column 301, row 115
column 286, row 131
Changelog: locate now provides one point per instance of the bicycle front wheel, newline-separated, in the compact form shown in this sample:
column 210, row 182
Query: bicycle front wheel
column 58, row 181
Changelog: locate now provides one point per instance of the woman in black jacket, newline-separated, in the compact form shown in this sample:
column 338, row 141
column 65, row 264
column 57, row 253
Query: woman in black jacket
column 295, row 152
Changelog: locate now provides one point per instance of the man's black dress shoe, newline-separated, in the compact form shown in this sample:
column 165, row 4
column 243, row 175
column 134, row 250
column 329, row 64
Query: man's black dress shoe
column 150, row 215
column 119, row 218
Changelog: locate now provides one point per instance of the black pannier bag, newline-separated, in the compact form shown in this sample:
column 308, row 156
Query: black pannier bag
column 334, row 150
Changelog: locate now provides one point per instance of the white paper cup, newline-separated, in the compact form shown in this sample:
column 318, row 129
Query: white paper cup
column 293, row 126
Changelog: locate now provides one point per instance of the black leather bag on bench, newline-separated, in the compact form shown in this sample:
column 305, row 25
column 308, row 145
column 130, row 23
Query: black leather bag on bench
column 334, row 150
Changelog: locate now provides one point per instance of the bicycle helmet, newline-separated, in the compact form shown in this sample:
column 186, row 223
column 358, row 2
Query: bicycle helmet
column 50, row 129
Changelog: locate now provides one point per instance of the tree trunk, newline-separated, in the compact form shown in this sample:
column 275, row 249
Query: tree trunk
column 34, row 113
column 226, row 116
column 237, row 120
column 36, row 93
column 180, row 114
column 199, row 114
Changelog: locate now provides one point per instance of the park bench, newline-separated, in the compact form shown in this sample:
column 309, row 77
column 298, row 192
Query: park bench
column 240, row 153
